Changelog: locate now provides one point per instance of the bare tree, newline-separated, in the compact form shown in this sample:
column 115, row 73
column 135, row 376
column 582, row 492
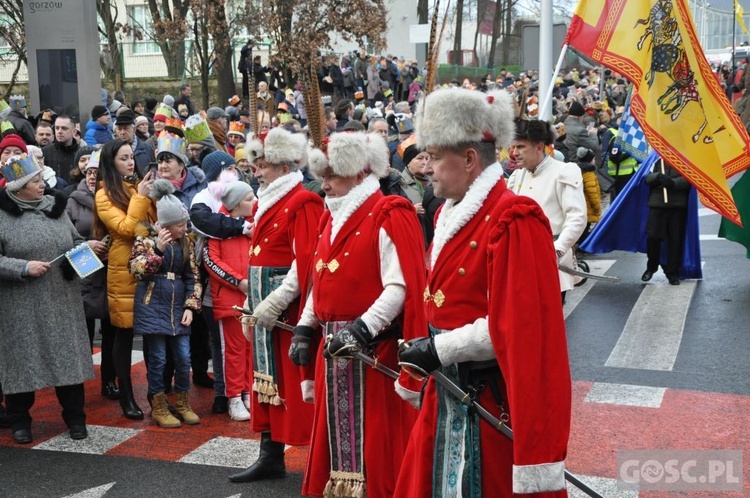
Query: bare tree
column 12, row 31
column 169, row 26
column 457, row 55
column 302, row 29
column 111, row 58
column 423, row 8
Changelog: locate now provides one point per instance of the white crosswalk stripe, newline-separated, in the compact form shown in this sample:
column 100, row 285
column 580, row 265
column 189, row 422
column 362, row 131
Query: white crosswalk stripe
column 225, row 452
column 101, row 439
column 628, row 395
column 575, row 296
column 96, row 492
column 653, row 333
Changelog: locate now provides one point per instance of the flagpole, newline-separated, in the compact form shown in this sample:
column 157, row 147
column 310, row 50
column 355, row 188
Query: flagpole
column 734, row 38
column 546, row 44
column 546, row 111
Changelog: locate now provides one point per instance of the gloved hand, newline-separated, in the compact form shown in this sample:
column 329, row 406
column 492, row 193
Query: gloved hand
column 348, row 341
column 667, row 182
column 268, row 311
column 421, row 353
column 247, row 322
column 299, row 351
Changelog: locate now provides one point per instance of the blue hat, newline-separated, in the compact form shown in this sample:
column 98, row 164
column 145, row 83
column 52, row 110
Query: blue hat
column 174, row 145
column 215, row 162
column 18, row 171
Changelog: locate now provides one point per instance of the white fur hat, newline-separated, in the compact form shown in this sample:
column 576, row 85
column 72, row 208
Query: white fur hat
column 454, row 116
column 351, row 153
column 277, row 147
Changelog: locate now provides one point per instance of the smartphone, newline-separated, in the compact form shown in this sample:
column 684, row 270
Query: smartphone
column 153, row 166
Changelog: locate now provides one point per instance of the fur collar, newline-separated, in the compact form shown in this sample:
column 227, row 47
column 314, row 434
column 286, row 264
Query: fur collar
column 343, row 207
column 454, row 216
column 198, row 173
column 273, row 193
column 52, row 209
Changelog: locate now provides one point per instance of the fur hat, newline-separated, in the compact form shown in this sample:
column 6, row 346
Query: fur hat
column 454, row 116
column 351, row 153
column 234, row 193
column 278, row 146
column 169, row 209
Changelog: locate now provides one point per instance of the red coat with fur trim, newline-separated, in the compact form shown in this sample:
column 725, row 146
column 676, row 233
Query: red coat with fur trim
column 501, row 265
column 344, row 292
column 285, row 233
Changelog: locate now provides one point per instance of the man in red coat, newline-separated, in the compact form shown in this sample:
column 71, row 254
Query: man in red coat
column 496, row 324
column 368, row 279
column 281, row 252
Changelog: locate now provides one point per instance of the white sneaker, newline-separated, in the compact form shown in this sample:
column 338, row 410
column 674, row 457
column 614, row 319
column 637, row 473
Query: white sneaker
column 246, row 400
column 237, row 410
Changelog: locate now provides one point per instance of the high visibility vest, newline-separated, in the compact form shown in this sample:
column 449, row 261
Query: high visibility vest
column 627, row 166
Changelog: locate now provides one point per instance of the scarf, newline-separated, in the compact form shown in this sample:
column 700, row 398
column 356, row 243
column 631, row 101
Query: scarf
column 343, row 207
column 275, row 191
column 180, row 181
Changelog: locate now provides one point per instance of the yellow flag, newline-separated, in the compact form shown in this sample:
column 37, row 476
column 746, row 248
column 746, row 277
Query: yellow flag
column 677, row 100
column 739, row 12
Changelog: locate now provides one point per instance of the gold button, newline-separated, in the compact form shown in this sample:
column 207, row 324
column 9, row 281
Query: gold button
column 286, row 210
column 357, row 234
column 473, row 244
column 265, row 240
column 315, row 253
column 487, row 218
column 320, row 236
column 369, row 214
column 346, row 254
column 461, row 271
column 275, row 225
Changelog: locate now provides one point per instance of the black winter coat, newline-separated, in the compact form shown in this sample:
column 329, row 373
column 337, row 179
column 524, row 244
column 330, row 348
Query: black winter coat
column 677, row 188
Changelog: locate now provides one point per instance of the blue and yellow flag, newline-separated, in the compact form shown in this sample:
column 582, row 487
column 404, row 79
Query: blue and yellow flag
column 679, row 104
column 83, row 260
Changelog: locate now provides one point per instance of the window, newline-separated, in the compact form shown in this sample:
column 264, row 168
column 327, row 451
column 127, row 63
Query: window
column 140, row 17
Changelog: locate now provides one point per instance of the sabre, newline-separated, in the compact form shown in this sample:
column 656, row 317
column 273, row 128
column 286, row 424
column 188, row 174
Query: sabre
column 579, row 273
column 468, row 400
column 372, row 362
column 252, row 319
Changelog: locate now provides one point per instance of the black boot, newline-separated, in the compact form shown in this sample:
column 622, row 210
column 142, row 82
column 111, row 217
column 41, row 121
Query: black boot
column 129, row 408
column 270, row 463
column 110, row 390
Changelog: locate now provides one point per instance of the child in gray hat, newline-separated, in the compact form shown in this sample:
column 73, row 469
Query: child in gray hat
column 168, row 292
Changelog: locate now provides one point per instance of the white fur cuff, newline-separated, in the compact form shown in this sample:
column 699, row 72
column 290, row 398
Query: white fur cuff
column 468, row 343
column 308, row 390
column 538, row 478
column 410, row 397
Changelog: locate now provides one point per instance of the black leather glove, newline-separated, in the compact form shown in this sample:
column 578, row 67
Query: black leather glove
column 299, row 351
column 421, row 353
column 667, row 182
column 348, row 341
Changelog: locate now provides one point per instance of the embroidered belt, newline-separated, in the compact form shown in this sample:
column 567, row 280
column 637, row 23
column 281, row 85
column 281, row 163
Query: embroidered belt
column 332, row 266
column 438, row 298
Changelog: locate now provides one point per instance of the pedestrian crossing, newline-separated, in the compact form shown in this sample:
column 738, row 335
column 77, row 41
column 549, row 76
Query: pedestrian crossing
column 608, row 414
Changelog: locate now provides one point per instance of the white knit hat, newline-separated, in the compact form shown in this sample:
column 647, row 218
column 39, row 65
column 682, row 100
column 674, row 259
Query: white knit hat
column 455, row 116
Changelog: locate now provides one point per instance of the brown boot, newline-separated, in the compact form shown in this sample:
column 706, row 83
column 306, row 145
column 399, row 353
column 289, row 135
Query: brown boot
column 183, row 408
column 160, row 414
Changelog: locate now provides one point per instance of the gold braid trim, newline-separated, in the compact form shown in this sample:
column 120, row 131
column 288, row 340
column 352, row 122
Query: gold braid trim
column 268, row 392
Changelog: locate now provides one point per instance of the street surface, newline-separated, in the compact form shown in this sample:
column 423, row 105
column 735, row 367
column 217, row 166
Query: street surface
column 654, row 367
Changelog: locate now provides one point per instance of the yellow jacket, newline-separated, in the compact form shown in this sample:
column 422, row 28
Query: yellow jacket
column 121, row 227
column 593, row 197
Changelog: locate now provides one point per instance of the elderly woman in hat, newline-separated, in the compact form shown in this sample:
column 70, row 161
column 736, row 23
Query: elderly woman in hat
column 80, row 209
column 41, row 346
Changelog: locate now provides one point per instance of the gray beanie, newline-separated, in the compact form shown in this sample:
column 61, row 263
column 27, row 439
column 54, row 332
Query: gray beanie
column 168, row 100
column 234, row 193
column 169, row 209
